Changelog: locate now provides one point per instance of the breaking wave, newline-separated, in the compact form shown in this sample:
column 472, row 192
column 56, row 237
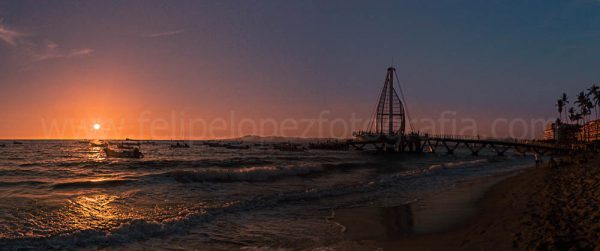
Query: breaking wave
column 139, row 229
column 21, row 183
column 436, row 167
column 134, row 164
column 257, row 173
column 253, row 173
column 91, row 183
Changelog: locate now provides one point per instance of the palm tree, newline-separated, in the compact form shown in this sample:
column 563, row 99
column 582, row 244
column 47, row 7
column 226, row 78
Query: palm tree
column 582, row 103
column 589, row 105
column 594, row 92
column 565, row 101
column 572, row 115
column 584, row 109
column 560, row 104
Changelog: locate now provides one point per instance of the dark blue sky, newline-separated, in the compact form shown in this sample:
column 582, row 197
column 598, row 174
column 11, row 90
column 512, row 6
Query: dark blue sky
column 282, row 59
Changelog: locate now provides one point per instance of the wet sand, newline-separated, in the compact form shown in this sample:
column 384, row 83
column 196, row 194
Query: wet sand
column 540, row 208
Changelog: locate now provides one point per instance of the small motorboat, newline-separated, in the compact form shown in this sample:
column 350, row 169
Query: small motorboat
column 98, row 144
column 132, row 154
column 214, row 144
column 128, row 145
column 180, row 145
column 17, row 143
column 2, row 145
column 228, row 146
column 289, row 147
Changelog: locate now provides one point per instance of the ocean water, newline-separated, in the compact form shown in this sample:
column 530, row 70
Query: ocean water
column 68, row 195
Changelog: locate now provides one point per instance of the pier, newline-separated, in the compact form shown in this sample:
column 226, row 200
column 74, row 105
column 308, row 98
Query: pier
column 387, row 132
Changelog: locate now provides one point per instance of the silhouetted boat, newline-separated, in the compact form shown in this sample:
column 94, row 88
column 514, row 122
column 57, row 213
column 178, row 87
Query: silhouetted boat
column 289, row 147
column 17, row 143
column 128, row 145
column 240, row 147
column 2, row 145
column 180, row 145
column 214, row 144
column 133, row 154
column 98, row 144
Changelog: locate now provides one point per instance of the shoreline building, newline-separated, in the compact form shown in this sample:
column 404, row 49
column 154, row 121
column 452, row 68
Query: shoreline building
column 569, row 133
column 590, row 132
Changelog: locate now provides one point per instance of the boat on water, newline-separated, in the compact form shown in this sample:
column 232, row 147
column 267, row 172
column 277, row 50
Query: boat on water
column 180, row 145
column 289, row 147
column 135, row 153
column 214, row 144
column 236, row 146
column 124, row 149
column 17, row 143
column 2, row 145
column 98, row 144
column 128, row 145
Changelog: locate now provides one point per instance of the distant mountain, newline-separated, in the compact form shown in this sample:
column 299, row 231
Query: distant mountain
column 256, row 138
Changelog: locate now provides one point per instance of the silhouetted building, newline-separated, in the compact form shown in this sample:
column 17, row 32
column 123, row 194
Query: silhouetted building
column 562, row 133
column 590, row 131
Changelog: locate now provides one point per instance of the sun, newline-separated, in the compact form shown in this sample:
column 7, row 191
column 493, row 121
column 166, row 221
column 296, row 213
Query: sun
column 97, row 126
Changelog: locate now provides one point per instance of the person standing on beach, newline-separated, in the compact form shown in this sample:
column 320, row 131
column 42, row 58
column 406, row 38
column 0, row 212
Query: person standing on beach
column 553, row 163
column 538, row 161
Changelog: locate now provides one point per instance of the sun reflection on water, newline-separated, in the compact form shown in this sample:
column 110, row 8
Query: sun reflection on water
column 97, row 211
column 94, row 154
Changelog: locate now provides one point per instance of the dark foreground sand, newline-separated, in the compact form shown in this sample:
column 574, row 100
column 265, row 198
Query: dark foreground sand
column 542, row 208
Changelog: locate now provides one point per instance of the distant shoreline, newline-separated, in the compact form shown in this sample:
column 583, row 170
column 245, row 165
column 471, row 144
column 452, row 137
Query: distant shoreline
column 244, row 138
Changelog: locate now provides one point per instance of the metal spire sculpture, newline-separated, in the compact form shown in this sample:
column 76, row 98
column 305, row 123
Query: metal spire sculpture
column 390, row 115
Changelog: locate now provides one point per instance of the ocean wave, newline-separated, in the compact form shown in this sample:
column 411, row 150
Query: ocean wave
column 92, row 183
column 140, row 229
column 347, row 166
column 137, row 229
column 256, row 173
column 457, row 164
column 89, row 163
column 171, row 164
column 21, row 183
column 435, row 167
column 21, row 172
column 230, row 162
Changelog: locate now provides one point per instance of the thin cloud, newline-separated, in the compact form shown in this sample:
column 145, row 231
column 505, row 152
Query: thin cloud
column 53, row 52
column 37, row 49
column 164, row 34
column 9, row 36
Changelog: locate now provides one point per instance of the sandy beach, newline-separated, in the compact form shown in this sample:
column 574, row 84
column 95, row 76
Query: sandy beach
column 541, row 208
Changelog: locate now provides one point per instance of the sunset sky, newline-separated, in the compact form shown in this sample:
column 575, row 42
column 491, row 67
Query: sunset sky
column 149, row 69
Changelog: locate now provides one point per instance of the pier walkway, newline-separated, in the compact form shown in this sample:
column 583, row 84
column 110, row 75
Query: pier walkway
column 449, row 143
column 387, row 132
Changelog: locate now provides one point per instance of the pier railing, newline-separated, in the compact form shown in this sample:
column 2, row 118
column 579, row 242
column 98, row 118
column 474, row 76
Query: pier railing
column 480, row 139
column 468, row 140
